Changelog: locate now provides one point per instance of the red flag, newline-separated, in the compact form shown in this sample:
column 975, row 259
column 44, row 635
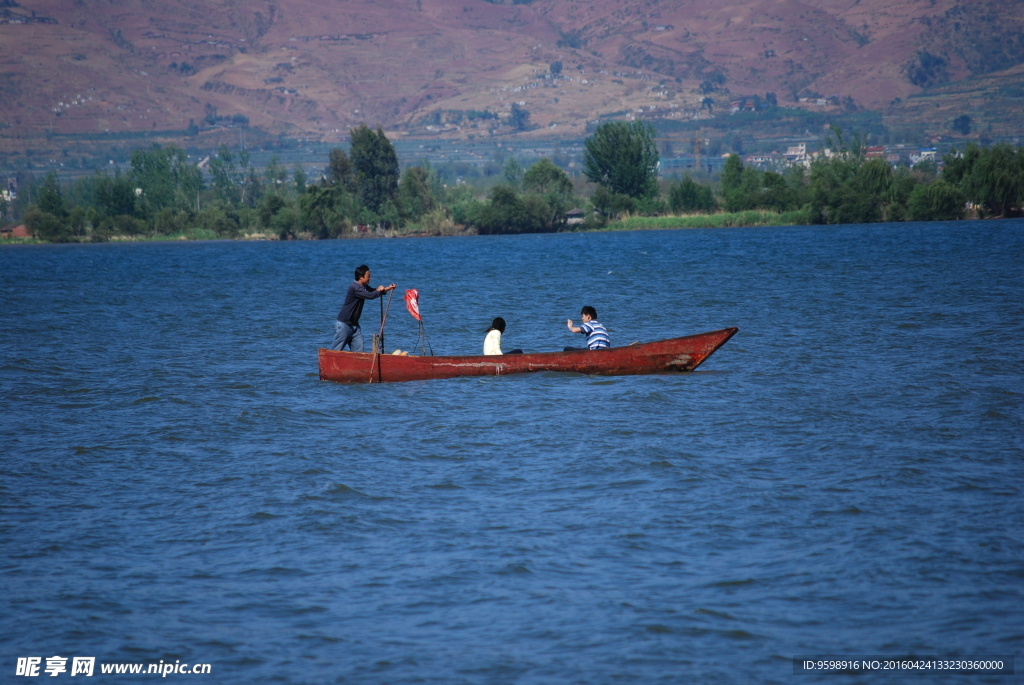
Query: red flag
column 412, row 303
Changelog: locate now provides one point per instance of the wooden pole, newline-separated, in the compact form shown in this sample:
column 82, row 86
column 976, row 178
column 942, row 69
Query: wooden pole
column 380, row 342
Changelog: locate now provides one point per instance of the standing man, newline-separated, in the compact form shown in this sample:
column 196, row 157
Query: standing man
column 346, row 328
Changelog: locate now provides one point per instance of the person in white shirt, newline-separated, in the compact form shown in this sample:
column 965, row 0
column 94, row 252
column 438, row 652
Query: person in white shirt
column 492, row 341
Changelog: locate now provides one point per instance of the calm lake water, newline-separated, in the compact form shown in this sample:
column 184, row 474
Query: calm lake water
column 844, row 477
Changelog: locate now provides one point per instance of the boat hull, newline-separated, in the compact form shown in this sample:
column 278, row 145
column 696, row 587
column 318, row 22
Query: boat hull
column 662, row 356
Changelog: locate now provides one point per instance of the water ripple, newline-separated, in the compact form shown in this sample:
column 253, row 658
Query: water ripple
column 844, row 476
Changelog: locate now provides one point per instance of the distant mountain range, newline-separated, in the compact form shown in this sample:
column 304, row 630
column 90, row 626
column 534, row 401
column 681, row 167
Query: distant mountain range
column 314, row 68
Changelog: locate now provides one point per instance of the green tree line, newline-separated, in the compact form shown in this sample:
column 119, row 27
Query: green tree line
column 362, row 189
column 162, row 193
column 847, row 187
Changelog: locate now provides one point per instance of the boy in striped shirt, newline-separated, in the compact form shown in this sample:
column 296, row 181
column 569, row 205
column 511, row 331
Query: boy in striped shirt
column 597, row 336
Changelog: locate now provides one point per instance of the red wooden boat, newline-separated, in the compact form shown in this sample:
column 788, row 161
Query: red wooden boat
column 675, row 354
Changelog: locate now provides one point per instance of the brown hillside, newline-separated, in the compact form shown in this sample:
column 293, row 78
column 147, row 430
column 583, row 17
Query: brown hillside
column 314, row 68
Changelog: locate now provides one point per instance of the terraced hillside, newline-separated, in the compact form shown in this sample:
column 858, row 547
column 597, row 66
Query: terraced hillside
column 314, row 68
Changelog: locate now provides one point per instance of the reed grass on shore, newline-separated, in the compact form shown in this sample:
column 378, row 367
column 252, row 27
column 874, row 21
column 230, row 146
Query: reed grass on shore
column 633, row 223
column 721, row 220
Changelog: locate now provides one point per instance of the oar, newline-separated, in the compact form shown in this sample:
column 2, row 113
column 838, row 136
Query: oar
column 380, row 339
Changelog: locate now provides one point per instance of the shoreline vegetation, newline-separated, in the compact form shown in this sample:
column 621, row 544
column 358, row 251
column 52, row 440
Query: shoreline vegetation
column 750, row 218
column 363, row 193
column 746, row 219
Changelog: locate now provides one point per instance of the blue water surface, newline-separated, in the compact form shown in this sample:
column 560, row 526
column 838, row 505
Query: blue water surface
column 845, row 476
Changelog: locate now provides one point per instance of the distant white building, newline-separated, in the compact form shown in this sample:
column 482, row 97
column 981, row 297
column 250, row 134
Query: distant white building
column 796, row 153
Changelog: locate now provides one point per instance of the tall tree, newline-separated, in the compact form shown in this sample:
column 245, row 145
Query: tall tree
column 690, row 196
column 48, row 218
column 746, row 188
column 225, row 177
column 340, row 171
column 166, row 177
column 508, row 212
column 151, row 173
column 51, row 200
column 992, row 176
column 115, row 196
column 732, row 175
column 622, row 156
column 299, row 178
column 414, row 192
column 275, row 177
column 513, row 172
column 937, row 201
column 847, row 189
column 46, row 226
column 376, row 166
column 252, row 188
column 544, row 177
column 545, row 180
